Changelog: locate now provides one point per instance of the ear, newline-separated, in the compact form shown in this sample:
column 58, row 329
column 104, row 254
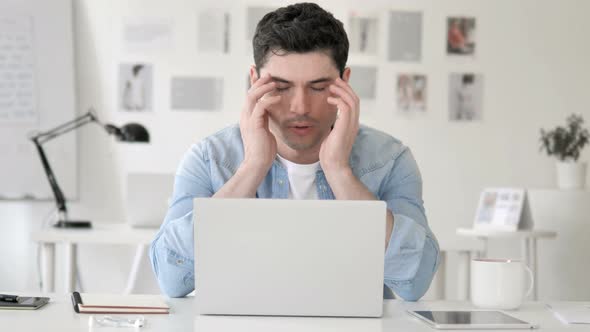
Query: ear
column 346, row 74
column 253, row 74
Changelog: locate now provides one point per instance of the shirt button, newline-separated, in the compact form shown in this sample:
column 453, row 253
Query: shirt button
column 280, row 182
column 179, row 261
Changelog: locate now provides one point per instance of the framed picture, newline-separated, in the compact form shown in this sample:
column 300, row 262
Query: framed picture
column 135, row 87
column 213, row 31
column 363, row 34
column 405, row 36
column 363, row 80
column 461, row 36
column 465, row 97
column 411, row 93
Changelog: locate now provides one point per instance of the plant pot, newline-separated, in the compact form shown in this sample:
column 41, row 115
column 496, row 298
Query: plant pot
column 571, row 175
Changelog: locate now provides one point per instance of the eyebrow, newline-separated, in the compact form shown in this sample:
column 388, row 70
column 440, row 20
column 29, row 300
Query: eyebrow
column 319, row 80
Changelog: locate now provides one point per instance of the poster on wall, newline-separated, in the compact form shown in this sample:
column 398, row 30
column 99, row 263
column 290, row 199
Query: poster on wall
column 465, row 97
column 213, row 31
column 461, row 36
column 18, row 74
column 411, row 93
column 146, row 35
column 405, row 36
column 363, row 80
column 135, row 87
column 362, row 34
column 196, row 93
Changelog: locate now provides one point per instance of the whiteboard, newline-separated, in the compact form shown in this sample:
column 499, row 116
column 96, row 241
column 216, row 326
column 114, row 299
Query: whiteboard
column 36, row 94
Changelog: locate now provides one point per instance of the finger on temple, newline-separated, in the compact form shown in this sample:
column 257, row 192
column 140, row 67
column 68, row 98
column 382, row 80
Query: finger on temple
column 344, row 85
column 260, row 81
column 260, row 108
column 345, row 95
column 255, row 95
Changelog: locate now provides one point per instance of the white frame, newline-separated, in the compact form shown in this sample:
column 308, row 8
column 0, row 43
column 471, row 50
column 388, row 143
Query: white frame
column 500, row 223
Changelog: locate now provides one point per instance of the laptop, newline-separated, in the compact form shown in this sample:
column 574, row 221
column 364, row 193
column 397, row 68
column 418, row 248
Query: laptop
column 289, row 257
column 147, row 196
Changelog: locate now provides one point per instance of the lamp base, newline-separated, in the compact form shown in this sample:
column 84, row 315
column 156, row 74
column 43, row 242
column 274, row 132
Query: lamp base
column 73, row 224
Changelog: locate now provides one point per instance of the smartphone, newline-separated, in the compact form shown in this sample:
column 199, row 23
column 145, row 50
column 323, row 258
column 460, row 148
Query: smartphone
column 25, row 302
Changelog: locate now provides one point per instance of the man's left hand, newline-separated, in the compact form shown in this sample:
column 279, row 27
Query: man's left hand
column 336, row 148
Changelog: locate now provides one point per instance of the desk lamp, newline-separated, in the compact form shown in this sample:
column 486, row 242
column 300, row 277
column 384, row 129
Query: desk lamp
column 131, row 132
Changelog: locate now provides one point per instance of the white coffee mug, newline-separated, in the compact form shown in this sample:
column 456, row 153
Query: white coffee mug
column 499, row 283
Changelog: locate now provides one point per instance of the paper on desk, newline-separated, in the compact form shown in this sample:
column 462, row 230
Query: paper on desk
column 571, row 313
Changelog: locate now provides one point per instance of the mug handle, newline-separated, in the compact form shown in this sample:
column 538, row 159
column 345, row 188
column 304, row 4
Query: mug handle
column 532, row 280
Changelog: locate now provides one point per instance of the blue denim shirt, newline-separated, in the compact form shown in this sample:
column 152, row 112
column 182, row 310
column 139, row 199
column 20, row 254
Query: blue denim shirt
column 385, row 166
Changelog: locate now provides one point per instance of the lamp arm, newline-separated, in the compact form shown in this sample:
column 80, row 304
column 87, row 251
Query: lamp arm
column 129, row 133
column 57, row 193
column 42, row 137
column 48, row 135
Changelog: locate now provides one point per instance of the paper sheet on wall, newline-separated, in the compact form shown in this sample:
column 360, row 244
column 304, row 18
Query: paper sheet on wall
column 17, row 71
column 196, row 93
column 213, row 27
column 363, row 80
column 37, row 92
column 147, row 34
column 405, row 36
column 363, row 34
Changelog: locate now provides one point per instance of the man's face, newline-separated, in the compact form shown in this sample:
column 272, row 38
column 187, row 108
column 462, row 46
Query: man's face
column 302, row 119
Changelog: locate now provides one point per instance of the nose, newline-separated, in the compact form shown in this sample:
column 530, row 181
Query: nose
column 299, row 102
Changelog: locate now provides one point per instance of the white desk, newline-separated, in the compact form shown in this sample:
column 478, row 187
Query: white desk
column 99, row 234
column 58, row 315
column 141, row 237
column 395, row 318
column 529, row 246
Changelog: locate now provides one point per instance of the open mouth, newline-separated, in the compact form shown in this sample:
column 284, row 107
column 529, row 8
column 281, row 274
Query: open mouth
column 301, row 129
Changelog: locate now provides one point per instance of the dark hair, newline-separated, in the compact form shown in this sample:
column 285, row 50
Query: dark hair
column 300, row 28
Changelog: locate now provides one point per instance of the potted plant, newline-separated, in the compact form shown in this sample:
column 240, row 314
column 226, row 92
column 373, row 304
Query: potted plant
column 565, row 143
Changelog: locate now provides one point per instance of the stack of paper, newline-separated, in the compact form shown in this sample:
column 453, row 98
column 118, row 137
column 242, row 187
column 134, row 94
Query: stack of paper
column 119, row 304
column 571, row 313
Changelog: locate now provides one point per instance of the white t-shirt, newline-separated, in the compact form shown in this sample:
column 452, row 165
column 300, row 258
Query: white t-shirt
column 302, row 184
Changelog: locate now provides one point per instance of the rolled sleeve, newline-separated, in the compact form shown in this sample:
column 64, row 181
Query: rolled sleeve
column 172, row 252
column 411, row 258
column 171, row 260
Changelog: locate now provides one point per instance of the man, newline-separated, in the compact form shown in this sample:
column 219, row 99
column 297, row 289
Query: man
column 299, row 137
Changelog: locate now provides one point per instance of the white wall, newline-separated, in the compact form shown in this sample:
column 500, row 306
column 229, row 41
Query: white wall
column 533, row 56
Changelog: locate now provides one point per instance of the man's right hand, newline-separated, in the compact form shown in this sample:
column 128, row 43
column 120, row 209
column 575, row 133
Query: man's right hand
column 260, row 145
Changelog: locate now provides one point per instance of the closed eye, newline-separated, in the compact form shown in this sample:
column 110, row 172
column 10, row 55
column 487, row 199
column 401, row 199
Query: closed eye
column 280, row 89
column 319, row 87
